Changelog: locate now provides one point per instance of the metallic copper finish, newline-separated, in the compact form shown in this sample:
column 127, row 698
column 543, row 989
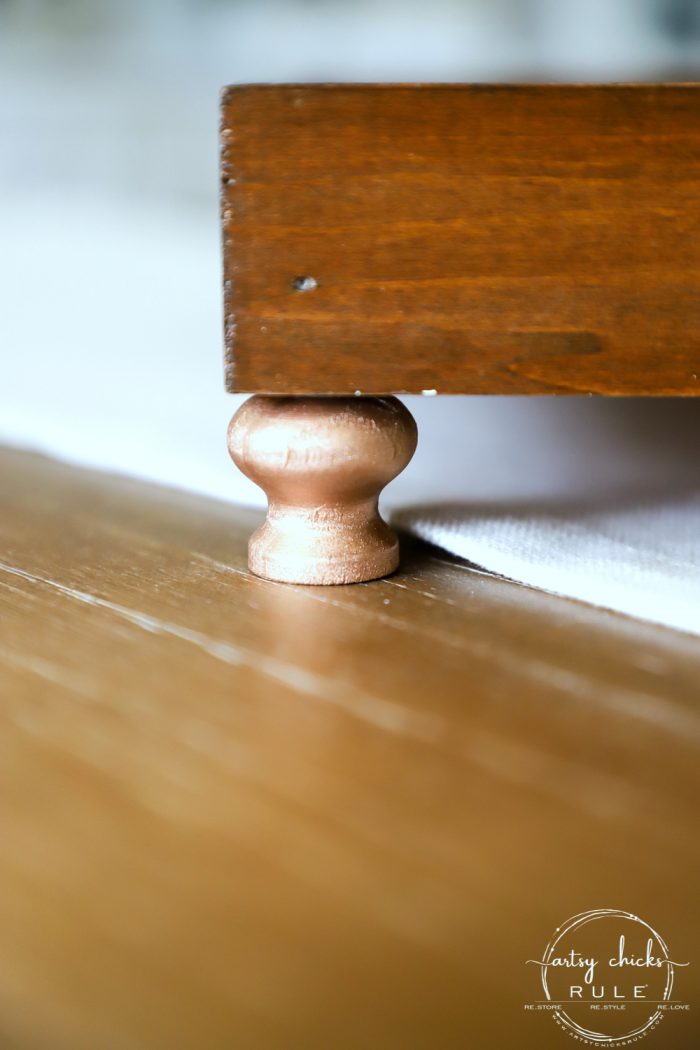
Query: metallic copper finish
column 322, row 462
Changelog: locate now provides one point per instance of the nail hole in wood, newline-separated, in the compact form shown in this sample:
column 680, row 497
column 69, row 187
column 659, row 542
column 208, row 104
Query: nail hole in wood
column 304, row 284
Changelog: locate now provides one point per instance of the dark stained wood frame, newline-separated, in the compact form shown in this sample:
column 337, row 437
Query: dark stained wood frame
column 462, row 238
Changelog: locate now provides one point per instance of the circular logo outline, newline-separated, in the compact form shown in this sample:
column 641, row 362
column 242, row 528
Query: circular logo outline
column 576, row 922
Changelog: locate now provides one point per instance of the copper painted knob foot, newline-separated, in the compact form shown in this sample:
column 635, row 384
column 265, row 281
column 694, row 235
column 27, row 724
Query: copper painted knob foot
column 322, row 462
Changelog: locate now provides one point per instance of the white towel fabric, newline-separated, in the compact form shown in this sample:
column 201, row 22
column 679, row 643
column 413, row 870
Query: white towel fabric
column 641, row 557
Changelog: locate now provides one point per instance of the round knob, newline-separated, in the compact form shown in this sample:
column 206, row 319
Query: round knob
column 322, row 462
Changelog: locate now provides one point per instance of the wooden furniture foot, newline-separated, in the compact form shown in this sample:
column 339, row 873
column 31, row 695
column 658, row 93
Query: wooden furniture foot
column 322, row 462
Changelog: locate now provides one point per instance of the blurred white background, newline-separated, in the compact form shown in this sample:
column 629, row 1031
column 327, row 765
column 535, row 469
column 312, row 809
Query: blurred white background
column 110, row 313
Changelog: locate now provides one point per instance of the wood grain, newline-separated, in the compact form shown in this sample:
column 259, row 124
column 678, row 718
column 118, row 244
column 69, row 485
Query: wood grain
column 241, row 814
column 464, row 239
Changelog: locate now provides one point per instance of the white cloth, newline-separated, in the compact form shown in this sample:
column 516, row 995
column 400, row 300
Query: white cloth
column 640, row 557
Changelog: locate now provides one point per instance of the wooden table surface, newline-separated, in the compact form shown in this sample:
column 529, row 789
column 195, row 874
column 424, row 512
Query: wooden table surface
column 236, row 814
